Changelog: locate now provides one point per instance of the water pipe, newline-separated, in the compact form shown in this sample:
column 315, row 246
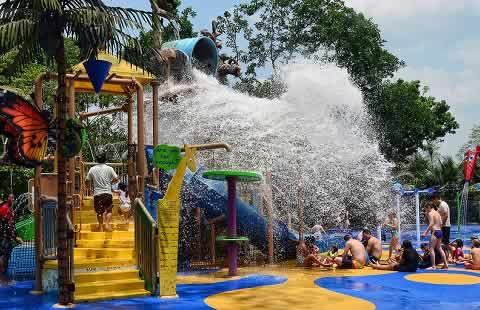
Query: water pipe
column 209, row 146
column 399, row 219
column 417, row 214
column 201, row 51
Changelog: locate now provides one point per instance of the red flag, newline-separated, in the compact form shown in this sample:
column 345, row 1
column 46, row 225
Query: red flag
column 470, row 161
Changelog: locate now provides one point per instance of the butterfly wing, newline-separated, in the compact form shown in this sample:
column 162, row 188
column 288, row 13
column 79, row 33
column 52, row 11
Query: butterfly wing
column 32, row 126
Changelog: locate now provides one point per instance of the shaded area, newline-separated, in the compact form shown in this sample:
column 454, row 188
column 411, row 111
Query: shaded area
column 16, row 296
column 394, row 291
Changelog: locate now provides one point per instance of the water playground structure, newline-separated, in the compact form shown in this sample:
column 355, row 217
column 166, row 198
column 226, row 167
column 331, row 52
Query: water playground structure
column 137, row 263
column 130, row 260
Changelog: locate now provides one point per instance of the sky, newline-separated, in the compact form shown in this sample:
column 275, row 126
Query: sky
column 437, row 39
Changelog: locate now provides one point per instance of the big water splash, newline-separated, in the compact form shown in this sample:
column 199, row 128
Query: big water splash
column 314, row 138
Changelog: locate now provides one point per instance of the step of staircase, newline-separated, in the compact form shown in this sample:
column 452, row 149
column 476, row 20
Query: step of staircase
column 104, row 252
column 132, row 284
column 116, row 226
column 99, row 276
column 105, row 263
column 108, row 243
column 116, row 235
column 82, row 264
column 90, row 217
column 110, row 295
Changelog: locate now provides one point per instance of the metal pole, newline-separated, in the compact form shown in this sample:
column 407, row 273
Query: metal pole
column 232, row 226
column 71, row 114
column 417, row 213
column 399, row 219
column 155, row 84
column 38, row 289
column 141, row 141
column 130, row 163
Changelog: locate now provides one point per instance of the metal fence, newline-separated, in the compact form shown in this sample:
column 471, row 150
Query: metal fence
column 49, row 223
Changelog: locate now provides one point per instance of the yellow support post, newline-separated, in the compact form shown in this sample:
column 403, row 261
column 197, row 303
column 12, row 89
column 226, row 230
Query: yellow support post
column 168, row 212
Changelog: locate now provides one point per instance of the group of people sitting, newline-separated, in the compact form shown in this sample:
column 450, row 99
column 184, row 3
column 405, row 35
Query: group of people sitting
column 358, row 254
column 367, row 250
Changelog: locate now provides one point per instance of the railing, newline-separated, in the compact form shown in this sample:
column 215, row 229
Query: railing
column 49, row 240
column 145, row 245
column 121, row 169
column 49, row 222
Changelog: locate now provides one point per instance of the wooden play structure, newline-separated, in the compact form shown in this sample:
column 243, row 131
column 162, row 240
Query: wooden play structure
column 95, row 253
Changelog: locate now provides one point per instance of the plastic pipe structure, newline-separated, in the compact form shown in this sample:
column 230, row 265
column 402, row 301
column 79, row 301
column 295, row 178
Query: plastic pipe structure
column 232, row 247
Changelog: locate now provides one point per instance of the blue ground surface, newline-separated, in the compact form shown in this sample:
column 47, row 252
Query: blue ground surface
column 192, row 296
column 393, row 292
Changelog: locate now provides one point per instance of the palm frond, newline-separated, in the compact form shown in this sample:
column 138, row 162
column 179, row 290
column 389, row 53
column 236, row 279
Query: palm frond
column 44, row 5
column 26, row 52
column 16, row 32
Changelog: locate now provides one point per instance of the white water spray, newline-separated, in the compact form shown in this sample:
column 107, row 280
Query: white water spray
column 316, row 131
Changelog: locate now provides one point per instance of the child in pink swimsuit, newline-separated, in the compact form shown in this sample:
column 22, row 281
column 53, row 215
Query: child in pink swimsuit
column 457, row 252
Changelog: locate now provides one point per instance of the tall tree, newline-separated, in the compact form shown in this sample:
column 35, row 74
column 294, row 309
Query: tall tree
column 37, row 27
column 406, row 119
column 472, row 141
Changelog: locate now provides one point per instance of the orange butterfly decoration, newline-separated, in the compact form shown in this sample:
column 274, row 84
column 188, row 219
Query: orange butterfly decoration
column 27, row 129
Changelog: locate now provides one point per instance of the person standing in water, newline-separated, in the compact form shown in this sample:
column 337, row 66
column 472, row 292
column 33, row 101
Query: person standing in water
column 444, row 211
column 435, row 227
column 103, row 177
column 391, row 224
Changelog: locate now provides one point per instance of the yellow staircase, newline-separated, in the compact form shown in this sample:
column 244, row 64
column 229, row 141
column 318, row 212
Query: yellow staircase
column 105, row 266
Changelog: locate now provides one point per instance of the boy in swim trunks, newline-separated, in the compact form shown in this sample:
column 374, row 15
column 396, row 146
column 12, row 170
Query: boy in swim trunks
column 373, row 246
column 354, row 254
column 435, row 227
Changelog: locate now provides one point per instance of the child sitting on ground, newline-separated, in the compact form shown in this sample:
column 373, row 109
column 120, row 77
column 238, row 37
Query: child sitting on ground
column 425, row 260
column 456, row 252
column 331, row 254
column 474, row 261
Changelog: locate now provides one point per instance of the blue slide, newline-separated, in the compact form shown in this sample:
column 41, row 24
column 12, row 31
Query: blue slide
column 211, row 196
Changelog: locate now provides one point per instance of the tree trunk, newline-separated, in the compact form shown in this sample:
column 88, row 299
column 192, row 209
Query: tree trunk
column 157, row 25
column 65, row 294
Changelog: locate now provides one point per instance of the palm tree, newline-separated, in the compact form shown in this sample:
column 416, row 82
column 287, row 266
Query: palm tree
column 35, row 27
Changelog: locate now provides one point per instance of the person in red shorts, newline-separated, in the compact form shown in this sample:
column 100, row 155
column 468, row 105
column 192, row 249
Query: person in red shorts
column 102, row 176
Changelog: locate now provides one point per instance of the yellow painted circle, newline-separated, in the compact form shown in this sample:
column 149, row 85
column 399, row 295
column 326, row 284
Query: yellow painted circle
column 443, row 278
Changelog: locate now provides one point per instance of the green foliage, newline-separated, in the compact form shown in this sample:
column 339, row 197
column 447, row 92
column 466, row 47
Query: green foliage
column 321, row 30
column 185, row 26
column 105, row 134
column 234, row 25
column 347, row 38
column 421, row 171
column 20, row 177
column 472, row 141
column 407, row 119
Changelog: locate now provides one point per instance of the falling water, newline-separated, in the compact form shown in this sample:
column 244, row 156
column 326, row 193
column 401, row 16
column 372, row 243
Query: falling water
column 315, row 134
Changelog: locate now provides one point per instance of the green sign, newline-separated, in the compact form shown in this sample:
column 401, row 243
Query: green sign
column 166, row 157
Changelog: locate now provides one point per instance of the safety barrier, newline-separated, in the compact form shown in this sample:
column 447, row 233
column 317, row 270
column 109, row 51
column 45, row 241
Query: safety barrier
column 145, row 245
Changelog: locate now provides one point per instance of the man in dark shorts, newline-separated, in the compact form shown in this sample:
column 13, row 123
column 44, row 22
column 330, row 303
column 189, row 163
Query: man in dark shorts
column 372, row 245
column 102, row 177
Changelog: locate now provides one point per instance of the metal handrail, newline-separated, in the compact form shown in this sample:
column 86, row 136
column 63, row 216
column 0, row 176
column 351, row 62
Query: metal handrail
column 145, row 245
